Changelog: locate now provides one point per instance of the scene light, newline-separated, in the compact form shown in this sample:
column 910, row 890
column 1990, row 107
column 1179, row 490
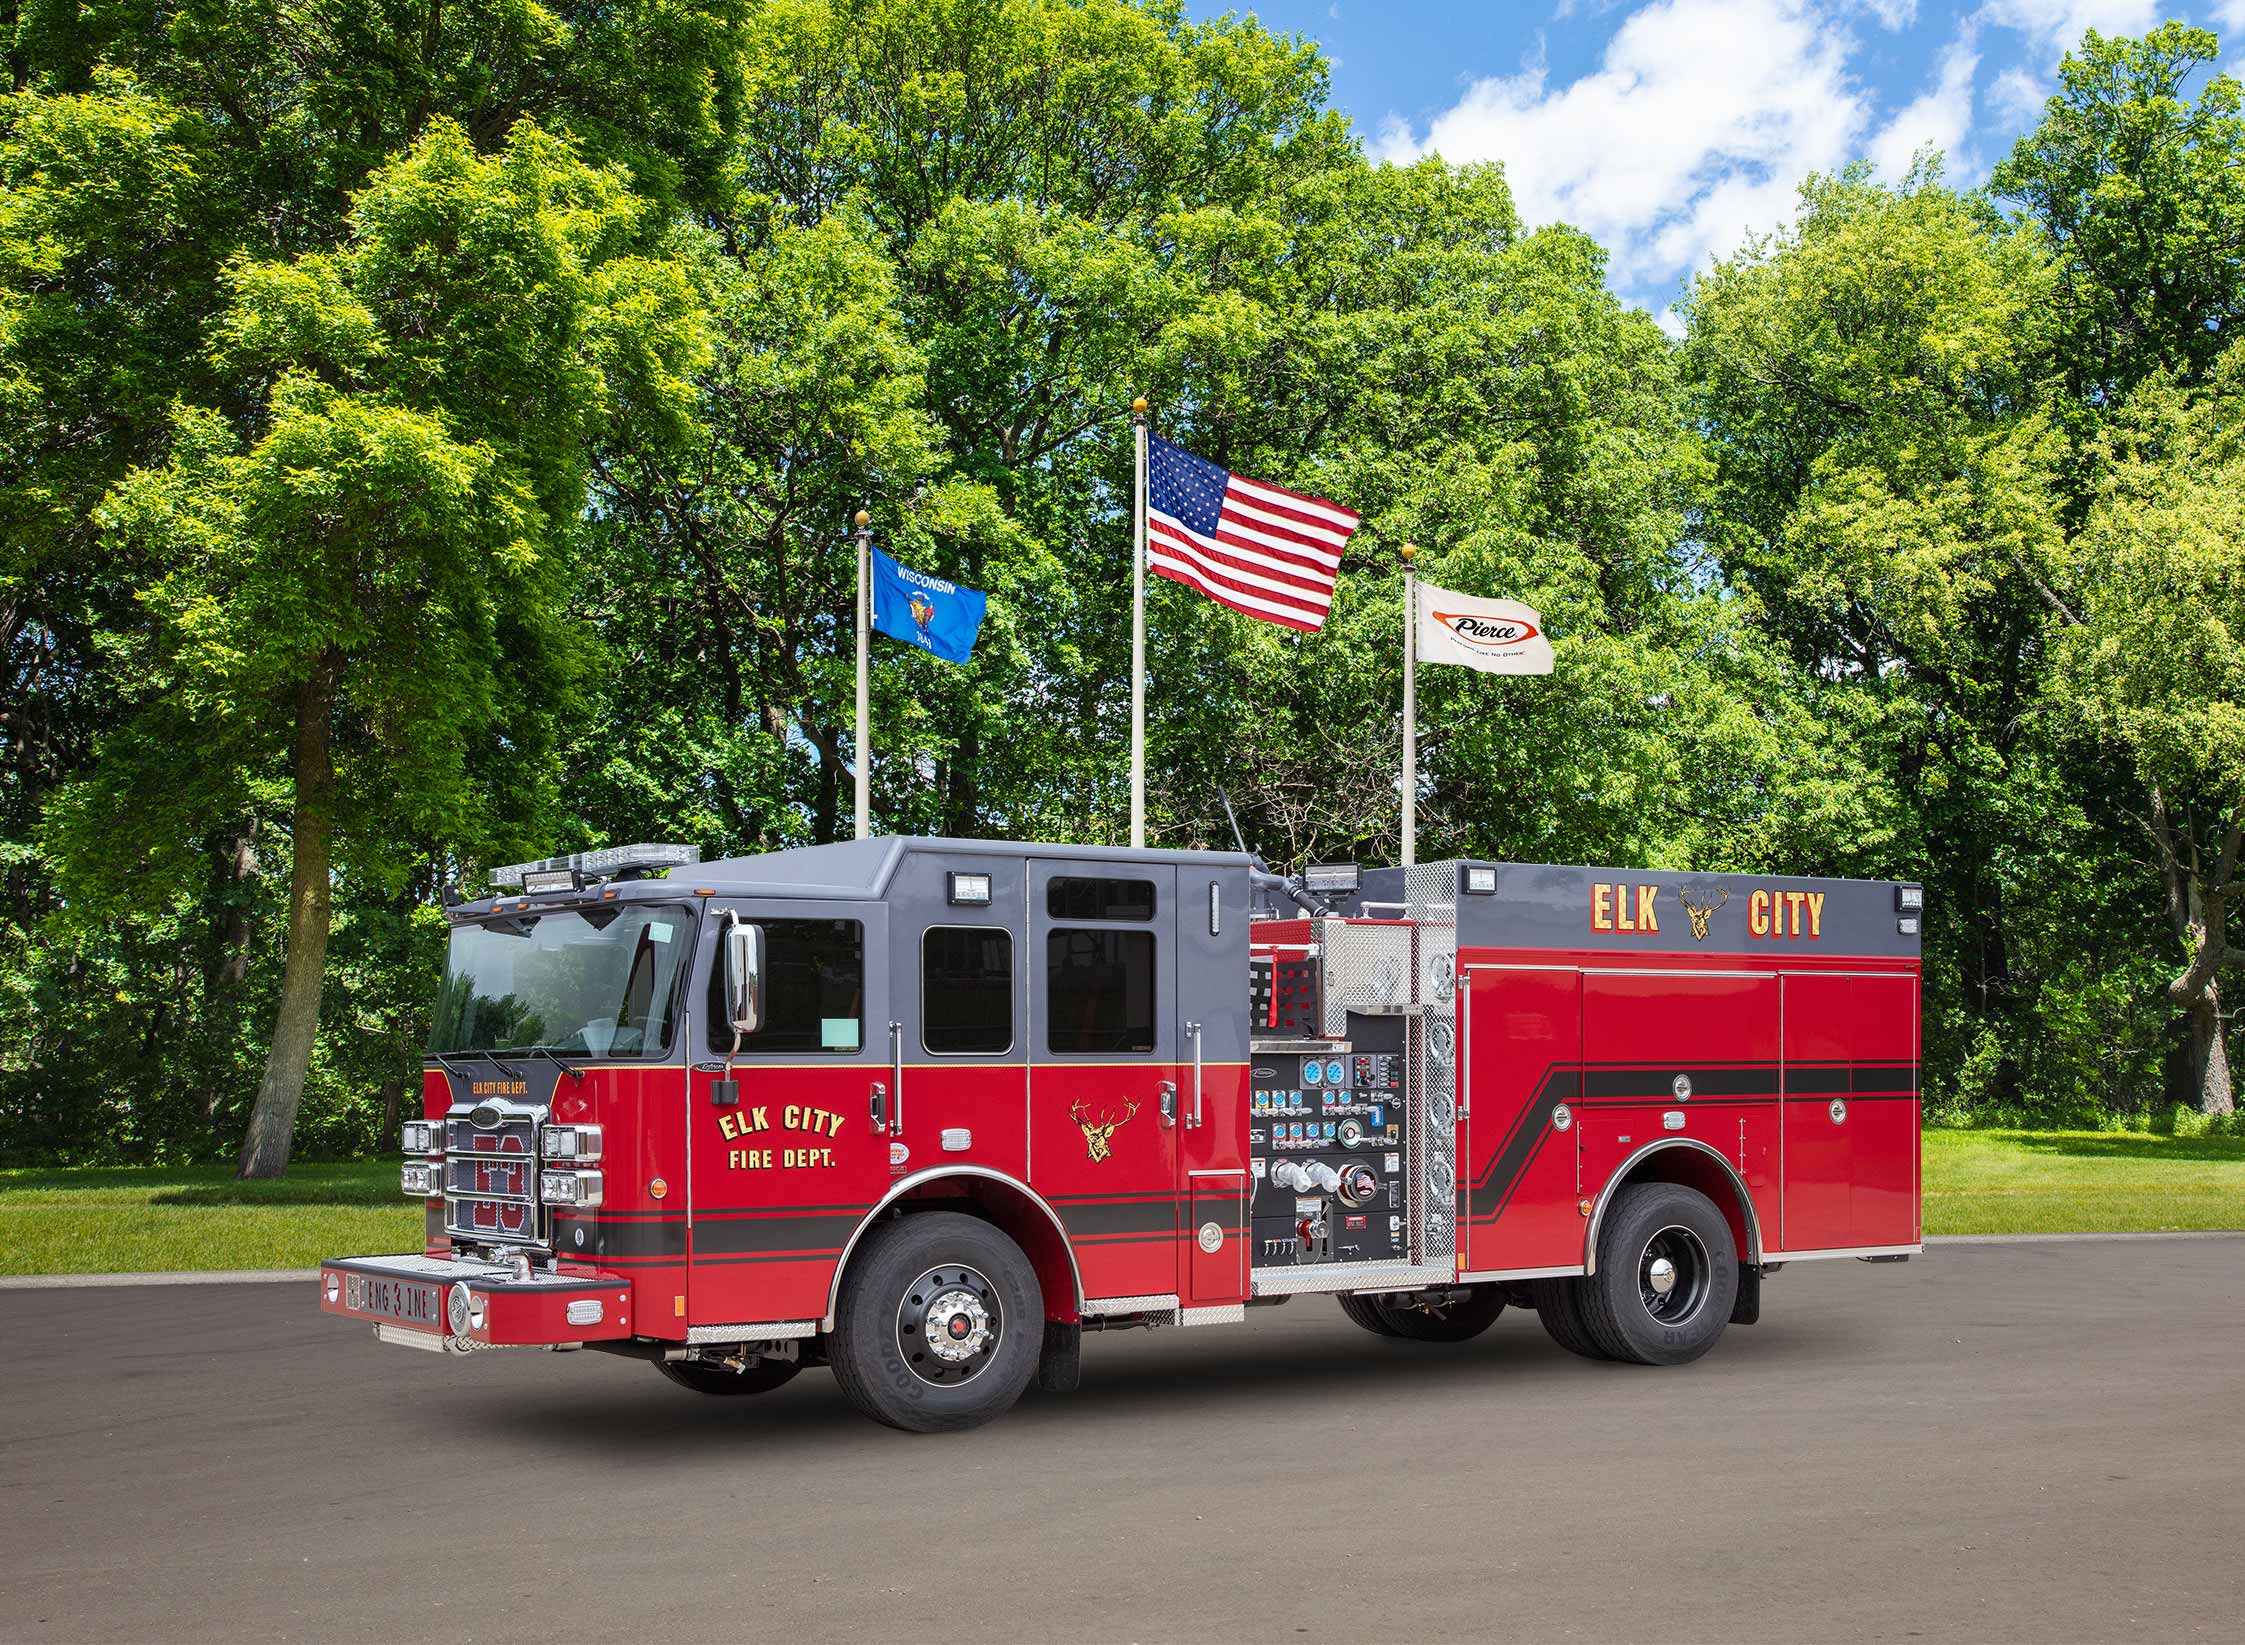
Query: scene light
column 970, row 890
column 1332, row 876
column 573, row 1190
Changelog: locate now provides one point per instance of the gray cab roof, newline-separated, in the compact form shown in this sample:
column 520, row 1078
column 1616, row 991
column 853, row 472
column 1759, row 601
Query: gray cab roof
column 863, row 868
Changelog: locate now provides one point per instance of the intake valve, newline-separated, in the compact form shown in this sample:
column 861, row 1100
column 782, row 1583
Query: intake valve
column 1359, row 1184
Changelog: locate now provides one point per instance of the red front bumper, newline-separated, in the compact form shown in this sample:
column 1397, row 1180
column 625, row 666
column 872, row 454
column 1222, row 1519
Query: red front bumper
column 410, row 1299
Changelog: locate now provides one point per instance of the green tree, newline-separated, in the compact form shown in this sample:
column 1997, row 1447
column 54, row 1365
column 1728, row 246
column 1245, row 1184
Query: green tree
column 2152, row 661
column 2140, row 194
column 358, row 583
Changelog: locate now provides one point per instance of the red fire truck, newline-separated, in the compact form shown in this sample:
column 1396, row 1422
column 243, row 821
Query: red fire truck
column 925, row 1111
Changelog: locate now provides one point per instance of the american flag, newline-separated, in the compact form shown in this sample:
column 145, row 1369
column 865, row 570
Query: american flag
column 1260, row 549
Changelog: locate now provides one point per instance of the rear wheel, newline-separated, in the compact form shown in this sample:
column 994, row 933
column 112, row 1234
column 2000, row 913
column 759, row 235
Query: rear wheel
column 1559, row 1306
column 1369, row 1314
column 940, row 1324
column 1458, row 1319
column 706, row 1377
column 1667, row 1276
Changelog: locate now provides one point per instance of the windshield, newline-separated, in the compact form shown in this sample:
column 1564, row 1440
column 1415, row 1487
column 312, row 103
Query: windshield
column 597, row 981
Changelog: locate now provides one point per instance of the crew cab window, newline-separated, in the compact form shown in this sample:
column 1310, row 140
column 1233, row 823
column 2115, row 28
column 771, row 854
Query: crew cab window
column 966, row 991
column 595, row 982
column 1099, row 990
column 814, row 990
column 1080, row 898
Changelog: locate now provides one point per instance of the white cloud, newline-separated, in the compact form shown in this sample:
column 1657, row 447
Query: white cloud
column 1694, row 130
column 2230, row 14
column 2017, row 98
column 1893, row 14
column 1940, row 117
column 2058, row 25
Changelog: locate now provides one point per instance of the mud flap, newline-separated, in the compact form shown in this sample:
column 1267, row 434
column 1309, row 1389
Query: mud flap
column 1060, row 1367
column 1748, row 1308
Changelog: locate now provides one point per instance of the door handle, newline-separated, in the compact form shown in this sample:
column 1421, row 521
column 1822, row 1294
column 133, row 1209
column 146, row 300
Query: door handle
column 880, row 1106
column 1194, row 1123
column 1169, row 1102
column 896, row 1078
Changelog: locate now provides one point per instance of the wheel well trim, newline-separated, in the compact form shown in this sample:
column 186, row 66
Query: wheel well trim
column 1620, row 1180
column 940, row 1173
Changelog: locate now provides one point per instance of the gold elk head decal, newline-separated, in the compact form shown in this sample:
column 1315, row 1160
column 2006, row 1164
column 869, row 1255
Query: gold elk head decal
column 1099, row 1133
column 1701, row 907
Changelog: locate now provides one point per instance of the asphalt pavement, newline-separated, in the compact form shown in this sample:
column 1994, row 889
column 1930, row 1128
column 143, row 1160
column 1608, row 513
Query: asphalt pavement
column 2034, row 1442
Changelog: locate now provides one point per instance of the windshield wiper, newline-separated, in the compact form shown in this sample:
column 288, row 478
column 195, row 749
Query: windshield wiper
column 555, row 1057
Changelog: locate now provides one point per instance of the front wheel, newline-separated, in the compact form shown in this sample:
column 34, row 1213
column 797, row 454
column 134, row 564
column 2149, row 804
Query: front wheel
column 759, row 1377
column 1667, row 1276
column 940, row 1323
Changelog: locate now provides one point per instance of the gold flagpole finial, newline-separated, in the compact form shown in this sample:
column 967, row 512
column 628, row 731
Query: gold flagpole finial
column 863, row 519
column 1409, row 551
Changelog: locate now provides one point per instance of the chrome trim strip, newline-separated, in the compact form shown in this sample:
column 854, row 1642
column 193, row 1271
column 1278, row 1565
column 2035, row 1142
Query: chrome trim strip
column 1621, row 1174
column 935, row 1173
column 1846, row 1251
column 1484, row 1276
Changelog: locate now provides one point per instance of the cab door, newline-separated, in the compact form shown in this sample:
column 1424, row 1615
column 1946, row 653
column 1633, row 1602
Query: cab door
column 784, row 1156
column 1104, row 1040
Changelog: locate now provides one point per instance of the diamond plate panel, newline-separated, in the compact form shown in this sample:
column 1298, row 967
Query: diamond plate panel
column 1346, row 1276
column 768, row 1331
column 1367, row 970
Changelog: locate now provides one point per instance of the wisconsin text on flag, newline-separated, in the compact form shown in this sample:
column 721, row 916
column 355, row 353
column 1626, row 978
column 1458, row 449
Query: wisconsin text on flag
column 1257, row 548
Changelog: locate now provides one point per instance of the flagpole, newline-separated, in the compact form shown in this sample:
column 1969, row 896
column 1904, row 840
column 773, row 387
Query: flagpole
column 1410, row 709
column 864, row 712
column 1138, row 632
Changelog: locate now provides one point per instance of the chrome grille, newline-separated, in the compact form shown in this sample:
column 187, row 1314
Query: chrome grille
column 491, row 1172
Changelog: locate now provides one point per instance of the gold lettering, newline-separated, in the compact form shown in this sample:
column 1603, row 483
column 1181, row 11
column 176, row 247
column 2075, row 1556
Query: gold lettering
column 1793, row 901
column 1757, row 913
column 725, row 1126
column 1647, row 920
column 1622, row 921
column 1601, row 907
column 1816, row 913
column 791, row 1117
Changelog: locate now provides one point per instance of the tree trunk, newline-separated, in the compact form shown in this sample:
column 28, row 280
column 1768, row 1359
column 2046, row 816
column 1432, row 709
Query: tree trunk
column 392, row 1089
column 2209, row 1056
column 272, row 1121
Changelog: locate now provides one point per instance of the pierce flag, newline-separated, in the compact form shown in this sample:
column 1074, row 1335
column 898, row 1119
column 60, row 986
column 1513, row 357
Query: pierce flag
column 1495, row 636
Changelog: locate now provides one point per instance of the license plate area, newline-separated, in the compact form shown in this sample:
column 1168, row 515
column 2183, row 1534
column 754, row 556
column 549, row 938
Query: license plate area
column 409, row 1302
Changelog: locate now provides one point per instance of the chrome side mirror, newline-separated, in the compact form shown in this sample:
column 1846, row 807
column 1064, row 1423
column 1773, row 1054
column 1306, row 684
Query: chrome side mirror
column 744, row 976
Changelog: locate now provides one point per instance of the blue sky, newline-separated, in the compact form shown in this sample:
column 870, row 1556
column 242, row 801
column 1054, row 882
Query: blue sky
column 1671, row 128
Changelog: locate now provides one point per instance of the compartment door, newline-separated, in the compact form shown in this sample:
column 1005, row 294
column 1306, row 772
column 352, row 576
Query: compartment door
column 1523, row 1056
column 1851, row 1111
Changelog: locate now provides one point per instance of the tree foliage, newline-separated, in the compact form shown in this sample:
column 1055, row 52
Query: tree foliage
column 430, row 434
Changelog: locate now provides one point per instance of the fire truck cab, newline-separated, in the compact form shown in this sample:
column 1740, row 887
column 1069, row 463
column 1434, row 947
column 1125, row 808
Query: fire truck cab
column 926, row 1110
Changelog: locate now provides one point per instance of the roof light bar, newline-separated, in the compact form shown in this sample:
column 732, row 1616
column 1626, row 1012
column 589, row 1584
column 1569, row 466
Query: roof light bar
column 595, row 865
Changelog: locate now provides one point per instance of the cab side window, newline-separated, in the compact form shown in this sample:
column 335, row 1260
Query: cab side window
column 1099, row 990
column 966, row 991
column 814, row 991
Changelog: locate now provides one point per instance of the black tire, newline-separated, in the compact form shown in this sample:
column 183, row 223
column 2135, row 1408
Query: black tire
column 1369, row 1314
column 904, row 1276
column 706, row 1378
column 1637, row 1312
column 1458, row 1321
column 1559, row 1306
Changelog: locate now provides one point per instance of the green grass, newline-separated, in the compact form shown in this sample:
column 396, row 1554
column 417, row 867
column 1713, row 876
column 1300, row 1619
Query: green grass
column 109, row 1220
column 2053, row 1182
column 151, row 1219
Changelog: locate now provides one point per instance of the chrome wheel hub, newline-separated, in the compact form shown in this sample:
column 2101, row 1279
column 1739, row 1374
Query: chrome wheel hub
column 958, row 1326
column 948, row 1325
column 1674, row 1275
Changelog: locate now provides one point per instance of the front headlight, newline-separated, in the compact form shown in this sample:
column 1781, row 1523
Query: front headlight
column 574, row 1190
column 578, row 1144
column 421, row 1136
column 419, row 1179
